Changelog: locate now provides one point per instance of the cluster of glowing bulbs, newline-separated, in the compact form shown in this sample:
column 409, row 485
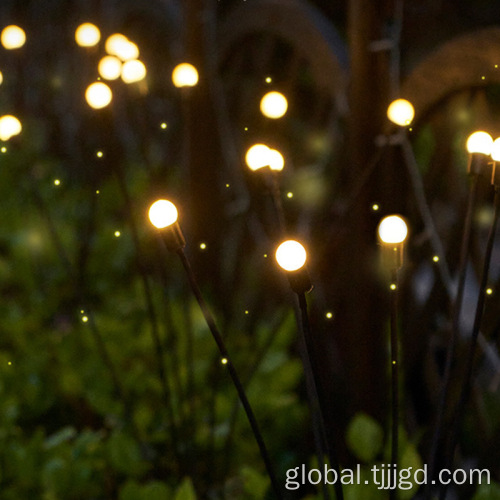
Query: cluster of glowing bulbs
column 260, row 156
column 392, row 230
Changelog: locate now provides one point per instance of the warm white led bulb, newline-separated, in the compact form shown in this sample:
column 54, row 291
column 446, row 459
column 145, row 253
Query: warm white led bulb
column 291, row 255
column 87, row 35
column 9, row 127
column 13, row 37
column 185, row 75
column 133, row 71
column 257, row 156
column 479, row 142
column 495, row 150
column 276, row 160
column 392, row 229
column 273, row 105
column 162, row 213
column 401, row 112
column 110, row 67
column 98, row 95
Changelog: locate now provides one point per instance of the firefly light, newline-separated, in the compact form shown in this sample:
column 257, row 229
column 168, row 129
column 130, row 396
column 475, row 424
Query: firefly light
column 273, row 105
column 162, row 213
column 13, row 37
column 291, row 255
column 9, row 127
column 98, row 95
column 133, row 71
column 479, row 142
column 392, row 229
column 185, row 75
column 110, row 67
column 87, row 35
column 401, row 112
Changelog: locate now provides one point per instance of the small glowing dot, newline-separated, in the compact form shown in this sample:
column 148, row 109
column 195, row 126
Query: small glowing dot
column 117, row 234
column 163, row 125
column 375, row 207
column 99, row 154
column 224, row 361
column 4, row 149
column 435, row 258
column 85, row 319
column 10, row 363
column 82, row 311
column 289, row 194
column 227, row 185
column 496, row 65
column 265, row 256
column 393, row 286
column 57, row 182
column 411, row 129
column 246, row 129
column 97, row 191
column 483, row 78
column 269, row 79
column 329, row 315
column 203, row 246
column 489, row 291
column 394, row 362
column 246, row 312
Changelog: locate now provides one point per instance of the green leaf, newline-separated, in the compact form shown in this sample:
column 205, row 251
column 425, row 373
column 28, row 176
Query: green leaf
column 254, row 483
column 185, row 491
column 487, row 492
column 365, row 437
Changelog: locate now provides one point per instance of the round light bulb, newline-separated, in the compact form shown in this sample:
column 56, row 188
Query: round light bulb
column 162, row 213
column 110, row 67
column 1, row 78
column 401, row 112
column 273, row 105
column 133, row 71
column 392, row 229
column 120, row 46
column 291, row 255
column 185, row 75
column 13, row 37
column 98, row 95
column 495, row 149
column 87, row 35
column 9, row 127
column 257, row 156
column 276, row 160
column 479, row 142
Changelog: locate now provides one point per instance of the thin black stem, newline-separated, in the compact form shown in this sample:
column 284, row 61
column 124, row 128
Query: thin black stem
column 457, row 308
column 469, row 367
column 232, row 371
column 394, row 377
column 326, row 431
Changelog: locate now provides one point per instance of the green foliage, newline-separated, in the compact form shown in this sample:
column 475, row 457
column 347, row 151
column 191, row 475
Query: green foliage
column 365, row 437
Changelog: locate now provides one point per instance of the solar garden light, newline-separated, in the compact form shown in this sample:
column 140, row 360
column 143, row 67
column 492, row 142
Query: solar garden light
column 163, row 215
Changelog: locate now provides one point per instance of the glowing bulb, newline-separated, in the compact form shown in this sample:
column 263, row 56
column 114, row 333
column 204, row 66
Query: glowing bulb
column 185, row 75
column 291, row 255
column 9, row 127
column 98, row 95
column 162, row 213
column 495, row 149
column 110, row 67
column 120, row 46
column 401, row 112
column 392, row 229
column 87, row 35
column 257, row 156
column 133, row 71
column 276, row 160
column 1, row 78
column 13, row 37
column 273, row 105
column 479, row 142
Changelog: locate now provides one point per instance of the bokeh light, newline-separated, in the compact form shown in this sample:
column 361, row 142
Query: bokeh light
column 291, row 255
column 392, row 229
column 9, row 127
column 109, row 67
column 87, row 35
column 98, row 95
column 162, row 213
column 479, row 142
column 401, row 112
column 13, row 37
column 274, row 105
column 133, row 71
column 185, row 75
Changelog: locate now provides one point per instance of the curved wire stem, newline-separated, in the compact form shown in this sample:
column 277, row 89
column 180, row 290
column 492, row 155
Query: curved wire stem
column 456, row 310
column 310, row 367
column 232, row 371
column 469, row 366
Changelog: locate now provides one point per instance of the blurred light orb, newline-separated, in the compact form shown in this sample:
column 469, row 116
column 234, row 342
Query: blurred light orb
column 98, row 95
column 87, row 35
column 162, row 213
column 479, row 142
column 291, row 255
column 401, row 112
column 276, row 160
column 274, row 105
column 9, row 127
column 392, row 229
column 185, row 75
column 495, row 149
column 1, row 78
column 257, row 156
column 133, row 71
column 13, row 37
column 120, row 46
column 110, row 67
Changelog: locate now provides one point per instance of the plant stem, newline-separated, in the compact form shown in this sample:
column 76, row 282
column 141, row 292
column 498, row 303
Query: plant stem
column 232, row 371
column 394, row 377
